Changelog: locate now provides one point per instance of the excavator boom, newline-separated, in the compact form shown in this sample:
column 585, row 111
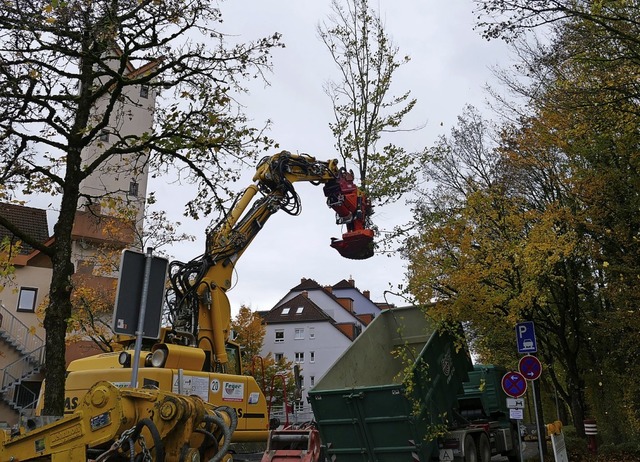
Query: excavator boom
column 195, row 354
column 200, row 307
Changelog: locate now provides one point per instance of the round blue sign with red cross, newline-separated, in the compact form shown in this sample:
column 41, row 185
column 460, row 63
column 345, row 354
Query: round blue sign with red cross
column 530, row 367
column 514, row 384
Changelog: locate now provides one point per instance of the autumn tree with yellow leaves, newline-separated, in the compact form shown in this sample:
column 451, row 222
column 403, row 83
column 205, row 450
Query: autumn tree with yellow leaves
column 273, row 377
column 82, row 61
column 95, row 281
column 536, row 219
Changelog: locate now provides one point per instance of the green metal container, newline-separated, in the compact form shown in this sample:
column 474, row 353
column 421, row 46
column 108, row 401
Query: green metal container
column 485, row 383
column 384, row 397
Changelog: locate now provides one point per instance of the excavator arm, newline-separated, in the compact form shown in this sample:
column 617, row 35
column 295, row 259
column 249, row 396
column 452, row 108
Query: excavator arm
column 195, row 354
column 199, row 307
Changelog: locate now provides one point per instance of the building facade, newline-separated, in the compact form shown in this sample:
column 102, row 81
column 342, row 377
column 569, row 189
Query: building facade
column 311, row 326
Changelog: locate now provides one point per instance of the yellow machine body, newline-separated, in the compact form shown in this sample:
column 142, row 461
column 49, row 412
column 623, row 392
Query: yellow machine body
column 110, row 423
column 240, row 392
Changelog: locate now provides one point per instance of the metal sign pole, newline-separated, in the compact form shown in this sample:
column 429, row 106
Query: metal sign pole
column 520, row 442
column 143, row 308
column 535, row 406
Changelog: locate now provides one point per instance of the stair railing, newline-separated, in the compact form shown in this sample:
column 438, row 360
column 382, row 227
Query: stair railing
column 18, row 331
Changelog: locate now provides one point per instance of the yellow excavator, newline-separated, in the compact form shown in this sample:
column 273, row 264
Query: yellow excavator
column 195, row 356
column 112, row 424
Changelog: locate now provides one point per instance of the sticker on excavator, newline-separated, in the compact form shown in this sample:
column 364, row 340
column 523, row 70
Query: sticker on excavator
column 215, row 386
column 232, row 391
column 99, row 421
column 192, row 385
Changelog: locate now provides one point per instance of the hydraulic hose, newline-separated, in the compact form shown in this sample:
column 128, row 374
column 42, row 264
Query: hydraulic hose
column 227, row 430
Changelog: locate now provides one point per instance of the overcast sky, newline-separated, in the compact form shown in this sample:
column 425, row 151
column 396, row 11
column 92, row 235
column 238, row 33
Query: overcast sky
column 450, row 66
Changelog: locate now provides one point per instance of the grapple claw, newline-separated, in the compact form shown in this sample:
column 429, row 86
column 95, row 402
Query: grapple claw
column 356, row 245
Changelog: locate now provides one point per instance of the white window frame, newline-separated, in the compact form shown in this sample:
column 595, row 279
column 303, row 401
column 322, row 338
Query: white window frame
column 279, row 339
column 299, row 333
column 312, row 356
column 299, row 310
column 312, row 333
column 278, row 356
column 312, row 380
column 299, row 357
column 285, row 311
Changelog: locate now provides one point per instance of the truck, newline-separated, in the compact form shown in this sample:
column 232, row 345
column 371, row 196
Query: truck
column 406, row 390
column 195, row 355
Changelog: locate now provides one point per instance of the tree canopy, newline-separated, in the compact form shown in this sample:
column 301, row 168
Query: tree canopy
column 364, row 108
column 534, row 219
column 69, row 72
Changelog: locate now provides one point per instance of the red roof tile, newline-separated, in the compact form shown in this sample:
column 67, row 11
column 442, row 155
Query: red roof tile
column 290, row 311
column 29, row 220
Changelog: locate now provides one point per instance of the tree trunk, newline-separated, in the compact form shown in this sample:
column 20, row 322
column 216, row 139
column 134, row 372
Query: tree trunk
column 578, row 407
column 59, row 308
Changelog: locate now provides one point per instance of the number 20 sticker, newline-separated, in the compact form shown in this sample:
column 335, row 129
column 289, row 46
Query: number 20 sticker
column 215, row 386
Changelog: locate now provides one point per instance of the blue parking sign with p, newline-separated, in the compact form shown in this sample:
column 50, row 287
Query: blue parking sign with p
column 526, row 337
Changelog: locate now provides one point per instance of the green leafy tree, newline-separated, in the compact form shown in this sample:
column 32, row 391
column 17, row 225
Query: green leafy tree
column 364, row 108
column 583, row 97
column 607, row 21
column 495, row 248
column 65, row 70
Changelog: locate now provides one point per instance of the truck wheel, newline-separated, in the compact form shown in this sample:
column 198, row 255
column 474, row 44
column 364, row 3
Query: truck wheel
column 484, row 449
column 470, row 454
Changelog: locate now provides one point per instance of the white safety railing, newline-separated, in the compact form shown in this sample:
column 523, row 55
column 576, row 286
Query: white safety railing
column 18, row 332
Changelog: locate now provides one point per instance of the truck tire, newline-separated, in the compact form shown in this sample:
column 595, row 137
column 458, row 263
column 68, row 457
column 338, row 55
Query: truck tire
column 484, row 448
column 470, row 452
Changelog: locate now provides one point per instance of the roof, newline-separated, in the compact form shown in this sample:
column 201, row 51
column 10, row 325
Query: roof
column 299, row 309
column 29, row 220
column 344, row 284
column 307, row 284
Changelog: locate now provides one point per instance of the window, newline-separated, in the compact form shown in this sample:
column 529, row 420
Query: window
column 279, row 335
column 299, row 333
column 144, row 91
column 104, row 136
column 298, row 406
column 84, row 266
column 278, row 356
column 27, row 299
column 133, row 188
column 312, row 332
column 285, row 311
column 312, row 380
column 312, row 356
column 299, row 357
column 300, row 310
